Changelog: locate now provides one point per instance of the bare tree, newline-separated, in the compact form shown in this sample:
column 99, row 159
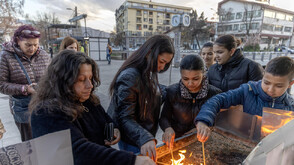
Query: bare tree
column 41, row 21
column 224, row 17
column 9, row 9
column 197, row 30
column 250, row 13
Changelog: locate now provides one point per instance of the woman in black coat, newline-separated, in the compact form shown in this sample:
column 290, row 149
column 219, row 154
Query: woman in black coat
column 232, row 68
column 184, row 99
column 65, row 100
column 136, row 95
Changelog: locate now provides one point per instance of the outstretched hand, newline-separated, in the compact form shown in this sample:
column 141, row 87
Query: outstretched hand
column 203, row 131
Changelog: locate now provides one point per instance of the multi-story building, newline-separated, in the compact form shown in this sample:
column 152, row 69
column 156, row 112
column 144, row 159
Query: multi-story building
column 136, row 20
column 271, row 26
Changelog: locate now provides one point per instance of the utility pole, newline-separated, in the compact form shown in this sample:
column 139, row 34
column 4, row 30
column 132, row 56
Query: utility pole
column 76, row 14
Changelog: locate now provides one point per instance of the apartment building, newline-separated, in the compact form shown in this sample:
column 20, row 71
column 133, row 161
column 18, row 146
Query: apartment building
column 269, row 25
column 136, row 20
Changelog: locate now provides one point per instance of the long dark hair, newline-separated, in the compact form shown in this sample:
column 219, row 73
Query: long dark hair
column 55, row 90
column 145, row 60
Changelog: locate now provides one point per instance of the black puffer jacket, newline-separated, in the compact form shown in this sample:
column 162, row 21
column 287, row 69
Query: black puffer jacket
column 180, row 108
column 124, row 109
column 238, row 70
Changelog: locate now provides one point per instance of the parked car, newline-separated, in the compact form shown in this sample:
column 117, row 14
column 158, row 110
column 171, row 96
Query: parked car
column 286, row 49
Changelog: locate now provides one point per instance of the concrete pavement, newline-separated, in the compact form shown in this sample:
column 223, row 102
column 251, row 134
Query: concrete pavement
column 107, row 72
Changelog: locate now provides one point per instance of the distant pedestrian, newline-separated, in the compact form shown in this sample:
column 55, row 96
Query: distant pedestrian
column 22, row 65
column 137, row 96
column 69, row 43
column 108, row 52
column 232, row 68
column 51, row 51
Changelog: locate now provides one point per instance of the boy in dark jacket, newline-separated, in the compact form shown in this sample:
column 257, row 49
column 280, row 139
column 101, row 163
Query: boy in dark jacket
column 271, row 92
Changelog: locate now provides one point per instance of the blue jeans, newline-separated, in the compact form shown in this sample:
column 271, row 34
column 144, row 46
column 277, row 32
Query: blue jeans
column 108, row 58
column 128, row 147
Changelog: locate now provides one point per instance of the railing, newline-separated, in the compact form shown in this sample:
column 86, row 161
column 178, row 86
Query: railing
column 261, row 57
column 264, row 57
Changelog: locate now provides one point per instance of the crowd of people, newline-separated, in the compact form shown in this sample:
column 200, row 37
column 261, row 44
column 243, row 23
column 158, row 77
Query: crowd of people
column 48, row 95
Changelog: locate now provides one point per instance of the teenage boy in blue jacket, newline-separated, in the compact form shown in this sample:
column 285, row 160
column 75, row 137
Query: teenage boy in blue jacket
column 271, row 92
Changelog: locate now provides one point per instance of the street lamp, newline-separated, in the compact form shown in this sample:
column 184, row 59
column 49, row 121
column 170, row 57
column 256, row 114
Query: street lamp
column 76, row 13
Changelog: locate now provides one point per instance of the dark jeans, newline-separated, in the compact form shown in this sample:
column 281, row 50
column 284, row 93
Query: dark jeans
column 128, row 147
column 25, row 131
column 108, row 58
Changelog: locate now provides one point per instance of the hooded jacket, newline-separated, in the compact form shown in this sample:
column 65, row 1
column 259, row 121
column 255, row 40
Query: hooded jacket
column 238, row 70
column 180, row 107
column 250, row 95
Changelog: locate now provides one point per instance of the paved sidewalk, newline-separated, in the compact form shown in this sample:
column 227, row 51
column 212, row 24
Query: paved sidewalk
column 107, row 72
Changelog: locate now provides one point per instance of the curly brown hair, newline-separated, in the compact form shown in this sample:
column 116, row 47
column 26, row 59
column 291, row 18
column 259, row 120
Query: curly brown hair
column 55, row 90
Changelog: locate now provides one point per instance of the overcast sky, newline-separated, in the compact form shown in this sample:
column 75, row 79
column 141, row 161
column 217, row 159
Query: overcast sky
column 101, row 12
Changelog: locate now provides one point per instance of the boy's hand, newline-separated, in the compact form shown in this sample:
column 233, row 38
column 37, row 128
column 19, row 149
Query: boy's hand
column 203, row 131
column 168, row 137
column 116, row 139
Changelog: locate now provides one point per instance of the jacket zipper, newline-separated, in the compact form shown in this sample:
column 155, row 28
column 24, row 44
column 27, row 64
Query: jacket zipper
column 273, row 104
column 194, row 101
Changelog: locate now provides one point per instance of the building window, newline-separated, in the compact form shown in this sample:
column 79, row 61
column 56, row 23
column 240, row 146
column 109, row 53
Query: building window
column 167, row 28
column 150, row 27
column 159, row 14
column 255, row 26
column 150, row 20
column 159, row 21
column 145, row 26
column 150, row 6
column 139, row 13
column 270, row 14
column 243, row 27
column 278, row 28
column 159, row 28
column 280, row 16
column 289, row 18
column 145, row 19
column 257, row 13
column 139, row 27
column 139, row 20
column 150, row 14
column 236, row 27
column 265, row 41
column 228, row 27
column 239, row 15
column 166, row 22
column 288, row 29
column 167, row 15
column 268, row 27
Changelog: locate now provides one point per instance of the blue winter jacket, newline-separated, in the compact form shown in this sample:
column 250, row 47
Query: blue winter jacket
column 250, row 95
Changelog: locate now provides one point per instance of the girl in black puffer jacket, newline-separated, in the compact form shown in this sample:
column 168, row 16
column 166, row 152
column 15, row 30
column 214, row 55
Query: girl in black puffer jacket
column 184, row 99
column 232, row 68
